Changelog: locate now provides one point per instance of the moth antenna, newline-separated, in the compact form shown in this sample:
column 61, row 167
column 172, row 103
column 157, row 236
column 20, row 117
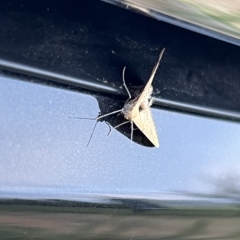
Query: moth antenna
column 117, row 127
column 83, row 118
column 124, row 84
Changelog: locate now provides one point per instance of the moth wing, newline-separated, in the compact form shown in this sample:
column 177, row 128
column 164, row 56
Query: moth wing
column 147, row 91
column 145, row 124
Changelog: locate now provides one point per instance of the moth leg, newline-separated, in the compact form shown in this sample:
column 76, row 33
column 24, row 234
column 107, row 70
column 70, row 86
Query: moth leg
column 124, row 84
column 117, row 126
column 105, row 115
column 92, row 134
column 108, row 126
column 94, row 130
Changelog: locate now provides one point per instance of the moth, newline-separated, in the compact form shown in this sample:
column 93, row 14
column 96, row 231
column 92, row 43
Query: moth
column 137, row 110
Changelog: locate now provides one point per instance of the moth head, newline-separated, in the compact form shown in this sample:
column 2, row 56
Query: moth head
column 127, row 117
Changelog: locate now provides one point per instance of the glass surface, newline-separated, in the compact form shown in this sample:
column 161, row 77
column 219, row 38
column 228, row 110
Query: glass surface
column 219, row 18
column 44, row 153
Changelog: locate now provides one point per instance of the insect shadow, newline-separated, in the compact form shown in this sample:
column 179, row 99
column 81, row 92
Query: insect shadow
column 108, row 105
column 136, row 111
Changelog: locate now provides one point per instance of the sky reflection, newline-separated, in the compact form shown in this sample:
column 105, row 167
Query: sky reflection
column 41, row 147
